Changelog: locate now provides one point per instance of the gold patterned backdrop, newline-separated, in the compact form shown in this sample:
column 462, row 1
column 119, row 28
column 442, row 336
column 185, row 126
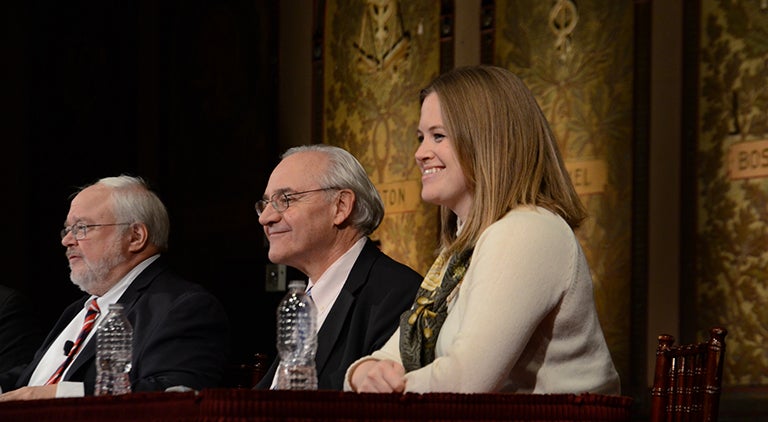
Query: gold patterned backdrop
column 577, row 58
column 378, row 56
column 732, row 190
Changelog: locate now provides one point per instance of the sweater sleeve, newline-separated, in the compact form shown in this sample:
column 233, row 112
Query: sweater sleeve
column 520, row 269
column 390, row 351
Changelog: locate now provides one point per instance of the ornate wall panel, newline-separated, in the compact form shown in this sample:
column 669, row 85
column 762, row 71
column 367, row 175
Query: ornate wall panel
column 378, row 54
column 577, row 58
column 731, row 213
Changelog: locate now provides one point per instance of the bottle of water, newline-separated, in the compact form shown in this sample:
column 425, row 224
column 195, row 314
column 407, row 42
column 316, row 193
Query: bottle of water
column 296, row 339
column 114, row 343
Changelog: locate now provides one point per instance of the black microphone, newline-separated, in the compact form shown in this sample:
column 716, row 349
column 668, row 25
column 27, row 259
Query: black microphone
column 68, row 346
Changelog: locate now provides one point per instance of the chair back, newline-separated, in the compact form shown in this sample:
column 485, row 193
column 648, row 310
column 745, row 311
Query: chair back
column 688, row 379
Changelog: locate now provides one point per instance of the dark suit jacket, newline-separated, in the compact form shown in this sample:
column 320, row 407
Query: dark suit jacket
column 180, row 336
column 20, row 332
column 363, row 318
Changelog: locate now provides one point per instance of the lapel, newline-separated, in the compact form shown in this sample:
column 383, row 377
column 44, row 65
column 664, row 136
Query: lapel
column 128, row 299
column 63, row 321
column 358, row 277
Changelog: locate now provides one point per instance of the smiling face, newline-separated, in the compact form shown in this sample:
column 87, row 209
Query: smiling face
column 442, row 178
column 301, row 235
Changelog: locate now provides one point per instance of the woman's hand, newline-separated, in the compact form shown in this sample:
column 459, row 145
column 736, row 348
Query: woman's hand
column 378, row 376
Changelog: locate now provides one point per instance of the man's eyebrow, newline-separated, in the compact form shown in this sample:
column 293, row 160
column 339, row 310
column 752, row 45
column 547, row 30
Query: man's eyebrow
column 277, row 192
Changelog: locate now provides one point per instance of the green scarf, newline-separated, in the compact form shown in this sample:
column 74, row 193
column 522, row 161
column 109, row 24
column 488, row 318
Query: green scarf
column 420, row 325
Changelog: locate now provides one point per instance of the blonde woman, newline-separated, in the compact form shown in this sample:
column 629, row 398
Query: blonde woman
column 508, row 304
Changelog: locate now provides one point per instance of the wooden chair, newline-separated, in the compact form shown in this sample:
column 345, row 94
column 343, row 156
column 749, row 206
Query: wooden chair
column 687, row 380
column 248, row 374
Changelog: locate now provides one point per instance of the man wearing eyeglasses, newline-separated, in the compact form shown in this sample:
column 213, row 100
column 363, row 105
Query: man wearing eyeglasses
column 114, row 235
column 318, row 210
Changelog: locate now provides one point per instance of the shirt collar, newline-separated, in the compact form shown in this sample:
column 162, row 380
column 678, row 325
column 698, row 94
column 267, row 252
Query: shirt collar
column 326, row 289
column 114, row 293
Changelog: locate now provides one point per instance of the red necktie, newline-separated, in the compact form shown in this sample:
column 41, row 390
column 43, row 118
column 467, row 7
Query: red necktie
column 90, row 319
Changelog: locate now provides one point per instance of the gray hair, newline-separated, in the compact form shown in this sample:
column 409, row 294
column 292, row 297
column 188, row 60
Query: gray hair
column 134, row 202
column 345, row 172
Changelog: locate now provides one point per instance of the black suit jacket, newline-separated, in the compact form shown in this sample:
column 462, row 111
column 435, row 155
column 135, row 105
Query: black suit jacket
column 363, row 318
column 20, row 333
column 180, row 336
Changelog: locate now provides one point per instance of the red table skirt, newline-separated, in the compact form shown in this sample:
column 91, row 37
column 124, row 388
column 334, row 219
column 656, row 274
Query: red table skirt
column 247, row 405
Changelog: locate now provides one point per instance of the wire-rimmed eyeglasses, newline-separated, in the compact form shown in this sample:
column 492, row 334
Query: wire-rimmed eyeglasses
column 281, row 200
column 79, row 230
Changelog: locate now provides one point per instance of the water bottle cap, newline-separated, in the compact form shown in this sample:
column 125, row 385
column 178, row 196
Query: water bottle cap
column 297, row 284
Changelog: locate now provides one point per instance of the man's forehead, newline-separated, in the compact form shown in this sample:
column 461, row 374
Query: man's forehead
column 295, row 171
column 91, row 203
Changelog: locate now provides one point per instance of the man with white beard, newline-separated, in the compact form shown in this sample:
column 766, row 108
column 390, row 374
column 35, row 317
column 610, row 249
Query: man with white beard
column 114, row 235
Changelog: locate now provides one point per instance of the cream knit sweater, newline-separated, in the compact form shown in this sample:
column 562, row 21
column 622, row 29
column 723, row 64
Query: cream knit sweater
column 523, row 319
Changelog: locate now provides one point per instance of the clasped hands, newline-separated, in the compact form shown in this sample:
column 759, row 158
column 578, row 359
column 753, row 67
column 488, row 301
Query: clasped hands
column 378, row 376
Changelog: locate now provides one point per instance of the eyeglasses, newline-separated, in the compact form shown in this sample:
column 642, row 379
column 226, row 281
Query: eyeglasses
column 79, row 230
column 281, row 200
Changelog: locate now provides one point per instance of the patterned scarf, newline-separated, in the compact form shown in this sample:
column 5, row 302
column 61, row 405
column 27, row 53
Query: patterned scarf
column 420, row 325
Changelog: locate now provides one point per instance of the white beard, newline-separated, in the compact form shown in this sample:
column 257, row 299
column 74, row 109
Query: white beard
column 95, row 276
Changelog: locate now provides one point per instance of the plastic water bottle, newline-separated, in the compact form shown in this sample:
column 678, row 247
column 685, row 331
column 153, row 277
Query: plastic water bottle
column 296, row 339
column 114, row 343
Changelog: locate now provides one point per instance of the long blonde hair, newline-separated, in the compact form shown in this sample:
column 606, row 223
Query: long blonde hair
column 506, row 150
